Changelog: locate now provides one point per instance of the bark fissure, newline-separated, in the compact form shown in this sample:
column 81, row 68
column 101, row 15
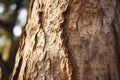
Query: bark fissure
column 109, row 76
column 97, row 78
column 65, row 37
column 25, row 71
column 22, row 40
column 36, row 41
column 116, row 29
column 116, row 33
column 71, row 61
column 102, row 16
column 67, row 65
column 16, row 75
column 41, row 19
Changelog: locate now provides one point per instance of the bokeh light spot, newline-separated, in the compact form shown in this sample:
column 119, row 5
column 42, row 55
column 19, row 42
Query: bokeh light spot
column 17, row 30
column 13, row 7
column 2, row 8
column 22, row 17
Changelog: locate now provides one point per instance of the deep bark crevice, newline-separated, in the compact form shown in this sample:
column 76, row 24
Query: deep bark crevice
column 115, row 26
column 109, row 76
column 36, row 41
column 97, row 78
column 25, row 71
column 18, row 69
column 41, row 22
column 22, row 40
column 65, row 38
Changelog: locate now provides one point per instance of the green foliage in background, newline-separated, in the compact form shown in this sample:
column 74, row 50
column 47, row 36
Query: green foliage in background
column 5, row 45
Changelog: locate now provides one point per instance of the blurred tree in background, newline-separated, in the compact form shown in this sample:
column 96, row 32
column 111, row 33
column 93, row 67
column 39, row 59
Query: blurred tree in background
column 13, row 17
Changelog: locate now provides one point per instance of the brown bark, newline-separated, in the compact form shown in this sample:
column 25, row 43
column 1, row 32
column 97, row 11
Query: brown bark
column 70, row 40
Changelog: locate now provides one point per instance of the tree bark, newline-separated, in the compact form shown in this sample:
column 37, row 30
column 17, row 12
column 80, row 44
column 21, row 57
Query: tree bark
column 70, row 40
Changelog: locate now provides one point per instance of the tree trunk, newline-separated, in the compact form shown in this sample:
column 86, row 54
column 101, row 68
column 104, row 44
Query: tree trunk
column 70, row 40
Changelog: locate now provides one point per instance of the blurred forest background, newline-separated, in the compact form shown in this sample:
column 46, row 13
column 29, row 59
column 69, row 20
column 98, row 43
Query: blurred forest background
column 13, row 17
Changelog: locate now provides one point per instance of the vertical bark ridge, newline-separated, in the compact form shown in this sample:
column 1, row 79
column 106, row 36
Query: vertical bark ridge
column 18, row 64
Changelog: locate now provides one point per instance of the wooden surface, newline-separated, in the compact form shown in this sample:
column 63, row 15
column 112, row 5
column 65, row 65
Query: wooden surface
column 70, row 40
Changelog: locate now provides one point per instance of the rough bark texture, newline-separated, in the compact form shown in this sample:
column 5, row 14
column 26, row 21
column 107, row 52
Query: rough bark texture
column 70, row 40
